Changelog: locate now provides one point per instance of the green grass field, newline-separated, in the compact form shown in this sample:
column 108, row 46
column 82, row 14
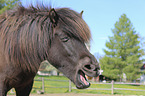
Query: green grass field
column 51, row 87
column 52, row 84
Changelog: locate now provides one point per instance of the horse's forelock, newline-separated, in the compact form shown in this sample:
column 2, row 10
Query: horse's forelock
column 73, row 23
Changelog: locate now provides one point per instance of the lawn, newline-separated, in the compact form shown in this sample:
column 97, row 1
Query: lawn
column 60, row 84
column 53, row 84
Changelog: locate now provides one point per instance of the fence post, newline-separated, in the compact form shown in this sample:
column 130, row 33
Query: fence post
column 43, row 88
column 112, row 87
column 69, row 85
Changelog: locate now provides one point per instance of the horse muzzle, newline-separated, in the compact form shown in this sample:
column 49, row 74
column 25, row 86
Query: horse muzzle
column 89, row 68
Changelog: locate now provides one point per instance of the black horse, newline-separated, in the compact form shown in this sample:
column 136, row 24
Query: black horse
column 30, row 35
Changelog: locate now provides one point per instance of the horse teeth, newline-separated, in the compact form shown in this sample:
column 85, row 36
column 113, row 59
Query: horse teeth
column 86, row 77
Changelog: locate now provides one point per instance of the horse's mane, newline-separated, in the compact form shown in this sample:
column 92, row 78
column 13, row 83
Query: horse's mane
column 26, row 33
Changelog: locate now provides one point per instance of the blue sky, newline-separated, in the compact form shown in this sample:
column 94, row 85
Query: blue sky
column 101, row 15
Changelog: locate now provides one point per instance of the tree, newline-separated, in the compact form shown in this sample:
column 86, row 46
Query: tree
column 124, row 52
column 46, row 67
column 7, row 4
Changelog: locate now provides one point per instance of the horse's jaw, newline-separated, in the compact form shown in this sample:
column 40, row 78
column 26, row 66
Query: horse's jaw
column 81, row 80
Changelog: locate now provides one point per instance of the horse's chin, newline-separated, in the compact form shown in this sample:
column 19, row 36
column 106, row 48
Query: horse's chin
column 81, row 81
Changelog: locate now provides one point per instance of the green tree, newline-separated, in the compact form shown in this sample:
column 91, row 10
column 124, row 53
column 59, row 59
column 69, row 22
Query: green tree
column 46, row 67
column 7, row 4
column 124, row 52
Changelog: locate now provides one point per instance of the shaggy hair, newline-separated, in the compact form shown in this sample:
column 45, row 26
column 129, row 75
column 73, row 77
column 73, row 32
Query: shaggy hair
column 26, row 33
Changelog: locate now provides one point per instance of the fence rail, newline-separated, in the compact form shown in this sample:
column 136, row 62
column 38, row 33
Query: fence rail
column 113, row 88
column 70, row 87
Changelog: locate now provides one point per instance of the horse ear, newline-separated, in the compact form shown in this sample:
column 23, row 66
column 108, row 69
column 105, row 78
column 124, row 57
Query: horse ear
column 81, row 13
column 53, row 17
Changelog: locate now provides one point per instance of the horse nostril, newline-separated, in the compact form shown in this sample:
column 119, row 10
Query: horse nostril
column 88, row 66
column 91, row 67
column 96, row 69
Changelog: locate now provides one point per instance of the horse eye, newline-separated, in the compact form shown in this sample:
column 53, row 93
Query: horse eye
column 65, row 39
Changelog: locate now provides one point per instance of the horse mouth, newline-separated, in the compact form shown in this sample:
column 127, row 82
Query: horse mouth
column 82, row 81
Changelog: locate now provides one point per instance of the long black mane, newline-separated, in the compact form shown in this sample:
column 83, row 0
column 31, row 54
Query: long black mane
column 26, row 33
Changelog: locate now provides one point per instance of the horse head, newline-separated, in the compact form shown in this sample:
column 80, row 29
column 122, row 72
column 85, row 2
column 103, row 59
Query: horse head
column 68, row 52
